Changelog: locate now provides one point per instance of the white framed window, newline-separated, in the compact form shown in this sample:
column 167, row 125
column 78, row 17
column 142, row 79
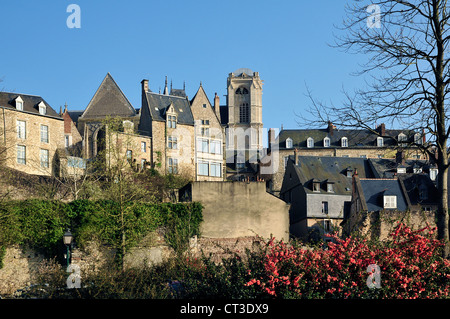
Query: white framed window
column 316, row 186
column 402, row 139
column 44, row 155
column 67, row 141
column 19, row 103
column 418, row 138
column 21, row 129
column 203, row 168
column 21, row 154
column 390, row 202
column 172, row 142
column 380, row 141
column 289, row 143
column 44, row 134
column 129, row 155
column 171, row 121
column 42, row 108
column 310, row 142
column 204, row 131
column 433, row 173
column 327, row 226
column 204, row 146
column 173, row 165
column 216, row 147
column 143, row 161
column 144, row 147
column 326, row 142
column 344, row 142
column 330, row 188
column 216, row 169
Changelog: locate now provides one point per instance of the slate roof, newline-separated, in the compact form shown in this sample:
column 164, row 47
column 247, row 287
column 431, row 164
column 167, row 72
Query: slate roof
column 387, row 168
column 374, row 189
column 30, row 103
column 356, row 138
column 108, row 100
column 159, row 103
column 333, row 169
column 414, row 184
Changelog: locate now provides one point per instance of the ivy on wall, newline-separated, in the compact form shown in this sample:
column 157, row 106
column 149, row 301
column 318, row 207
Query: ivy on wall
column 40, row 224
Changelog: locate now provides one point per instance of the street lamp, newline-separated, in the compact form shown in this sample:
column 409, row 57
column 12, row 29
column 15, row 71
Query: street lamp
column 67, row 239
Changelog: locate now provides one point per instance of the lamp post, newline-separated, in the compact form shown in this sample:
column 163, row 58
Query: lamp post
column 67, row 239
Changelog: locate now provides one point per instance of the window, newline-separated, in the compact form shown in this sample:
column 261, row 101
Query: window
column 19, row 104
column 216, row 169
column 402, row 138
column 390, row 202
column 144, row 147
column 316, row 186
column 418, row 138
column 325, row 208
column 204, row 131
column 310, row 142
column 203, row 168
column 216, row 147
column 44, row 134
column 244, row 111
column 380, row 141
column 143, row 161
column 204, row 146
column 21, row 129
column 129, row 155
column 330, row 187
column 288, row 142
column 67, row 141
column 205, row 122
column 173, row 165
column 42, row 109
column 286, row 158
column 21, row 154
column 172, row 142
column 172, row 121
column 327, row 225
column 433, row 173
column 76, row 162
column 204, row 106
column 326, row 142
column 362, row 156
column 44, row 158
column 344, row 142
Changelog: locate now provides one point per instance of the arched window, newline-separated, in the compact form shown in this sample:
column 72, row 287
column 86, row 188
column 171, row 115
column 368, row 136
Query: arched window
column 344, row 142
column 310, row 142
column 418, row 138
column 380, row 141
column 326, row 142
column 289, row 143
column 241, row 91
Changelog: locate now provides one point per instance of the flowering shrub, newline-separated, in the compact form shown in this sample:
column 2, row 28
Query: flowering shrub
column 410, row 266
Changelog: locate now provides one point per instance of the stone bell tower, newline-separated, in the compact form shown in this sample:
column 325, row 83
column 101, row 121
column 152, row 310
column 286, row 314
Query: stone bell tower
column 244, row 101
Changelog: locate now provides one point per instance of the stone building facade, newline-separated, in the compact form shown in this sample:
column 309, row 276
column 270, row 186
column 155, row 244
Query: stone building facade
column 209, row 142
column 31, row 134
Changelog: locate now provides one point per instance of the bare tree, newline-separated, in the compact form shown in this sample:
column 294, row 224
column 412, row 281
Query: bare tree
column 406, row 77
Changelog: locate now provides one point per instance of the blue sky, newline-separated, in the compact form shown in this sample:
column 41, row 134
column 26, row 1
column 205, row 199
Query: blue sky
column 287, row 42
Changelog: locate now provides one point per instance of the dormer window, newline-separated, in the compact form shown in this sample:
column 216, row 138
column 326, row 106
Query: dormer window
column 380, row 141
column 289, row 143
column 402, row 138
column 330, row 187
column 42, row 108
column 418, row 139
column 19, row 104
column 316, row 186
column 349, row 172
column 171, row 121
column 344, row 142
column 310, row 142
column 326, row 142
column 389, row 202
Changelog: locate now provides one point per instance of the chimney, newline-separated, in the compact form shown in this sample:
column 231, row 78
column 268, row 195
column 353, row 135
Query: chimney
column 144, row 84
column 217, row 106
column 400, row 157
column 331, row 127
column 271, row 137
column 382, row 129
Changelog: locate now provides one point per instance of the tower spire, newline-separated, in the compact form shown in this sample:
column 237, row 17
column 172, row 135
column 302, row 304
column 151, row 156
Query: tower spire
column 165, row 88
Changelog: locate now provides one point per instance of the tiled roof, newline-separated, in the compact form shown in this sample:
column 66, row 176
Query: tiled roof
column 108, row 100
column 333, row 169
column 356, row 138
column 159, row 103
column 30, row 103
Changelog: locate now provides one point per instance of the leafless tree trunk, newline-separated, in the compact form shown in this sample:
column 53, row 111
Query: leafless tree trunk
column 407, row 71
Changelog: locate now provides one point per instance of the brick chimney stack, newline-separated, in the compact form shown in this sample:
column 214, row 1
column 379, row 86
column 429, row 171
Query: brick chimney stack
column 382, row 129
column 331, row 128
